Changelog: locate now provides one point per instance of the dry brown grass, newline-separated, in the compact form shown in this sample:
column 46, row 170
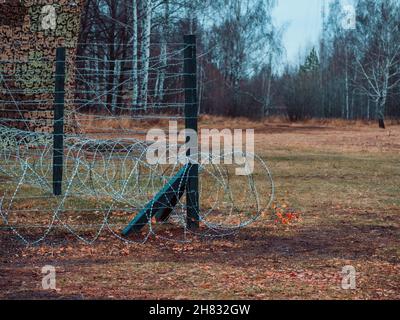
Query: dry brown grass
column 94, row 121
column 343, row 178
column 91, row 123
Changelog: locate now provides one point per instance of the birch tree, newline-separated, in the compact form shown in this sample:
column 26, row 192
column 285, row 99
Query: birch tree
column 378, row 51
column 135, row 39
column 145, row 50
column 241, row 37
column 164, row 33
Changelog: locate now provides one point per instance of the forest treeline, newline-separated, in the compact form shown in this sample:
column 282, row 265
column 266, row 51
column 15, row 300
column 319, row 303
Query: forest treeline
column 352, row 73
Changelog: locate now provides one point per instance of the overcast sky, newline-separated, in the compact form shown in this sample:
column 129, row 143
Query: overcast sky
column 304, row 24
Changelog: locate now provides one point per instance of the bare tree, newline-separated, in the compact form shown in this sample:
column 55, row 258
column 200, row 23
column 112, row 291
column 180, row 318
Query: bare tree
column 135, row 39
column 164, row 32
column 146, row 9
column 378, row 51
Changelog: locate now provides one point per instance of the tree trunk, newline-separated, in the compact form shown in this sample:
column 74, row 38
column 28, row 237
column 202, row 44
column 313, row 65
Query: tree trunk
column 115, row 84
column 110, row 79
column 269, row 84
column 380, row 112
column 97, row 75
column 135, row 89
column 347, row 85
column 163, row 55
column 147, row 7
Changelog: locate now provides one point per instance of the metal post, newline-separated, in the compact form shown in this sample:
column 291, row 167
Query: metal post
column 58, row 133
column 191, row 114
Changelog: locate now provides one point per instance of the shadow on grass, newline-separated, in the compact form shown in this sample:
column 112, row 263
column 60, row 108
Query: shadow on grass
column 250, row 248
column 344, row 240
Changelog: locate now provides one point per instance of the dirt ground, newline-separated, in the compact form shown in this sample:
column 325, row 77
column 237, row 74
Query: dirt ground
column 343, row 180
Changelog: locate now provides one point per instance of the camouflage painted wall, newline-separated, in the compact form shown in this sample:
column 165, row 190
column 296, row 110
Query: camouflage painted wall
column 30, row 32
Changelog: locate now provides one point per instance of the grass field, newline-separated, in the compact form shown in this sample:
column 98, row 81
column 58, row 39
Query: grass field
column 344, row 178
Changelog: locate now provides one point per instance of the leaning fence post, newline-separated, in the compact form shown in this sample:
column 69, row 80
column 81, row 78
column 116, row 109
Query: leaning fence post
column 58, row 132
column 191, row 114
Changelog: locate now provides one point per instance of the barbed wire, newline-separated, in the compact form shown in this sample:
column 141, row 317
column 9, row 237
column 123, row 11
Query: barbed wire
column 107, row 177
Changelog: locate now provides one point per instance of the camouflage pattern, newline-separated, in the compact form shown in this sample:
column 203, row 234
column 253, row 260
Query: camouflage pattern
column 27, row 60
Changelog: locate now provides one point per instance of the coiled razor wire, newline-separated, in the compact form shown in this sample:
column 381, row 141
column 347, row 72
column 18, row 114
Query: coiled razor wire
column 117, row 174
column 107, row 178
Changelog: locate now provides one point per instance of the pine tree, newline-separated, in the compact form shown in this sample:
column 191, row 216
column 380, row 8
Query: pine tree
column 312, row 62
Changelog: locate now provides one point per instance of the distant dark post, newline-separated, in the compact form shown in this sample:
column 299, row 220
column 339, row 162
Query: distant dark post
column 191, row 114
column 58, row 133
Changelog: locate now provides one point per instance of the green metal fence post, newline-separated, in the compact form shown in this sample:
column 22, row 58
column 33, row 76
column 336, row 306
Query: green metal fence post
column 191, row 115
column 58, row 133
